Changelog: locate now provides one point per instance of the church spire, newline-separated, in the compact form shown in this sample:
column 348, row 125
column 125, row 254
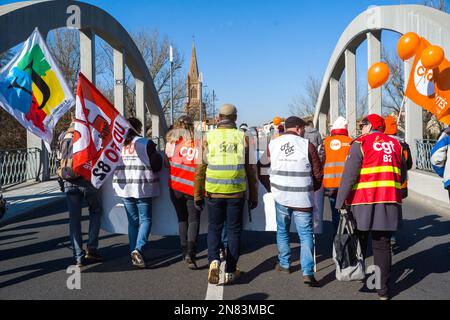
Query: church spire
column 193, row 69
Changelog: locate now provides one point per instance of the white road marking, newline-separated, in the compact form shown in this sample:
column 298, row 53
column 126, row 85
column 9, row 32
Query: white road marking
column 215, row 292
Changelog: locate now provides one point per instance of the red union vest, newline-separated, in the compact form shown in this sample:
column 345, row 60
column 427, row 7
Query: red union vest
column 379, row 180
column 182, row 167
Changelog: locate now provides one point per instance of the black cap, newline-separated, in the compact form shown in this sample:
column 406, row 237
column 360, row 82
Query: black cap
column 293, row 122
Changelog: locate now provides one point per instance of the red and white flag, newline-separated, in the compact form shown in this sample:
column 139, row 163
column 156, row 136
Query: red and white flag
column 100, row 132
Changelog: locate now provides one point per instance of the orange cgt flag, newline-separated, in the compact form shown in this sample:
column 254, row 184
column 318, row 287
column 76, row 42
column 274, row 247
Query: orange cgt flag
column 430, row 89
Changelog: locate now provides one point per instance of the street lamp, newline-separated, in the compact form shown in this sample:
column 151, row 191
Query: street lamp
column 200, row 79
column 171, row 84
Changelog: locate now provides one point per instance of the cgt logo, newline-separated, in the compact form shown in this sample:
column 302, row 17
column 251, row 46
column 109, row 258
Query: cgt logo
column 335, row 145
column 387, row 147
column 189, row 153
column 423, row 80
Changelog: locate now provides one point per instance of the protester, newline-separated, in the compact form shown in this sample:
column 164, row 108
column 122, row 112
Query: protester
column 223, row 177
column 392, row 131
column 371, row 186
column 280, row 129
column 243, row 127
column 336, row 147
column 136, row 181
column 295, row 173
column 314, row 137
column 181, row 156
column 76, row 189
column 440, row 157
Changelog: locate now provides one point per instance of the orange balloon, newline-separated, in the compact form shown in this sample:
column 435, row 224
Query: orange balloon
column 378, row 74
column 407, row 45
column 276, row 121
column 432, row 57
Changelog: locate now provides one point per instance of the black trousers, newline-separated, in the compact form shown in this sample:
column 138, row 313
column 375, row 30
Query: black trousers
column 381, row 247
column 188, row 221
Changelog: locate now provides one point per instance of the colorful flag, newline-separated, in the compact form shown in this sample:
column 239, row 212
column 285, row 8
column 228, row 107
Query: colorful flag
column 430, row 89
column 32, row 89
column 100, row 132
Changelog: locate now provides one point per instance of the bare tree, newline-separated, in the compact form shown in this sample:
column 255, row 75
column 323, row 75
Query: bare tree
column 155, row 51
column 304, row 105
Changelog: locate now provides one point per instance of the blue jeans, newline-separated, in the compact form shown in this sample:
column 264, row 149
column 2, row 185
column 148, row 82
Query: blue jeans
column 304, row 224
column 74, row 197
column 139, row 213
column 219, row 212
column 224, row 237
column 335, row 215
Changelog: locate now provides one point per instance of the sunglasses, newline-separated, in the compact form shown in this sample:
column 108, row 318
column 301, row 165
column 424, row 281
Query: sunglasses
column 363, row 124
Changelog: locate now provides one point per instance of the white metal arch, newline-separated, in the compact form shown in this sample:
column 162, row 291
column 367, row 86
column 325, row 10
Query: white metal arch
column 425, row 21
column 17, row 21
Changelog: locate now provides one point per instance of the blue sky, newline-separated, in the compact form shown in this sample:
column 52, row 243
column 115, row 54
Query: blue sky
column 253, row 53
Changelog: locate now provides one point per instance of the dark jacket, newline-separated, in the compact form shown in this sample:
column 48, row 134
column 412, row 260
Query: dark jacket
column 376, row 217
column 250, row 170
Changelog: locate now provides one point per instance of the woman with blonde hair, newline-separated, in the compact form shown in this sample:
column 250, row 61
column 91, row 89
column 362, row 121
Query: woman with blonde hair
column 181, row 154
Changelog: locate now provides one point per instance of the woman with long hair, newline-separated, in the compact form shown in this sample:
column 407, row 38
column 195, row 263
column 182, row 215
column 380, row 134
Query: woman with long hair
column 136, row 181
column 181, row 154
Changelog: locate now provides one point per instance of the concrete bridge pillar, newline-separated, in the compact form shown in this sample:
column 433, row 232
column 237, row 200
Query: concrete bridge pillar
column 155, row 126
column 350, row 90
column 140, row 105
column 374, row 55
column 334, row 100
column 87, row 54
column 119, row 80
column 323, row 124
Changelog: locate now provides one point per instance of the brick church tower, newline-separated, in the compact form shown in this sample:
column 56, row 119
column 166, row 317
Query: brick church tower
column 194, row 90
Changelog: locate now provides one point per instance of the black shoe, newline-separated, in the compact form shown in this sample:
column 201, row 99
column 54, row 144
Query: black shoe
column 281, row 269
column 138, row 260
column 384, row 297
column 80, row 262
column 93, row 255
column 310, row 281
column 222, row 254
column 191, row 262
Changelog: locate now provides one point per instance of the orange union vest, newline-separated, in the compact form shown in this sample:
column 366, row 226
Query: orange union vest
column 182, row 167
column 379, row 180
column 337, row 148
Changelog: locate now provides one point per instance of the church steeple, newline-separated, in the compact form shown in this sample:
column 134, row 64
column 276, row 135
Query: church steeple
column 193, row 69
column 194, row 101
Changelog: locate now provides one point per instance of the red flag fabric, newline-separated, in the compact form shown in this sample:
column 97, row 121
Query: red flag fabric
column 430, row 89
column 100, row 132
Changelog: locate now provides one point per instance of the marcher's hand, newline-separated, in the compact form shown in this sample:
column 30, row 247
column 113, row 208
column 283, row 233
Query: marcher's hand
column 252, row 204
column 199, row 204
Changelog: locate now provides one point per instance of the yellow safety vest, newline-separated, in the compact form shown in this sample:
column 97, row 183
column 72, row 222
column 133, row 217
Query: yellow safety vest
column 225, row 156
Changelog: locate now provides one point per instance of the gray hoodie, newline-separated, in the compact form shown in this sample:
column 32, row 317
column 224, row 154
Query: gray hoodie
column 313, row 135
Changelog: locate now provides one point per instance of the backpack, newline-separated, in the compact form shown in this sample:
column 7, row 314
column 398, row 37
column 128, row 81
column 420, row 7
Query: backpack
column 347, row 252
column 65, row 169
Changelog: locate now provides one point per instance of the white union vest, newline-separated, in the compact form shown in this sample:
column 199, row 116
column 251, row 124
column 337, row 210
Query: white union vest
column 134, row 177
column 290, row 172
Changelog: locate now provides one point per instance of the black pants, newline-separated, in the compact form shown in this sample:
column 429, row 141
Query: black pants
column 381, row 247
column 188, row 221
column 219, row 211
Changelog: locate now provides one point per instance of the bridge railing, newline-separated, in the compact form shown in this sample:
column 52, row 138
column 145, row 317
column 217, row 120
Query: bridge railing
column 422, row 158
column 20, row 165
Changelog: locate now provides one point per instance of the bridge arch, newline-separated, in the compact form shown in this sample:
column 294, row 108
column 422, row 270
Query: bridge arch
column 18, row 20
column 428, row 22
